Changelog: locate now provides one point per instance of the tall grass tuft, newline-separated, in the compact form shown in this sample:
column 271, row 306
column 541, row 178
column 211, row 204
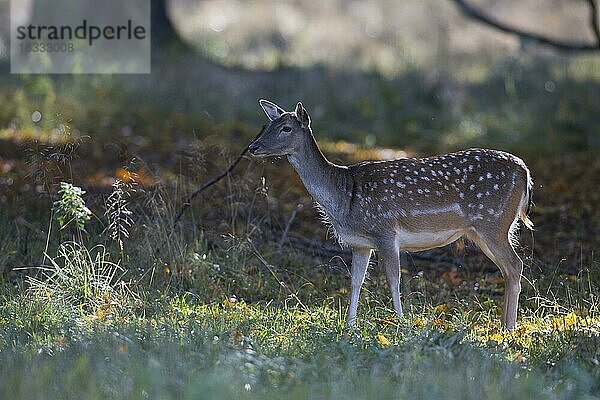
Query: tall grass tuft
column 84, row 280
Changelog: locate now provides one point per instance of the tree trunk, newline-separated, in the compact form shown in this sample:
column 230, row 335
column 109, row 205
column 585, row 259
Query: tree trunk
column 164, row 35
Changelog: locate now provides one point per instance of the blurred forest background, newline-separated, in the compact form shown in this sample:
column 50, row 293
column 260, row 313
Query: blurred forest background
column 416, row 74
column 247, row 290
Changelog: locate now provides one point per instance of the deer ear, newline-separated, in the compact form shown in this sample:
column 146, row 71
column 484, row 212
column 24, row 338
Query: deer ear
column 272, row 110
column 302, row 115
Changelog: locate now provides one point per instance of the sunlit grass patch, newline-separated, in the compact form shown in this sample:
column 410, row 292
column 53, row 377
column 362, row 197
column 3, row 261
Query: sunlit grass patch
column 84, row 282
column 264, row 347
column 274, row 326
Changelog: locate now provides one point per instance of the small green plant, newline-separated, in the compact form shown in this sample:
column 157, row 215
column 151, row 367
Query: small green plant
column 71, row 208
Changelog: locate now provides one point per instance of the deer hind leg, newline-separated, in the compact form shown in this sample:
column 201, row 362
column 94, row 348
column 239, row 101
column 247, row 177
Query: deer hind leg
column 499, row 249
column 391, row 263
column 360, row 262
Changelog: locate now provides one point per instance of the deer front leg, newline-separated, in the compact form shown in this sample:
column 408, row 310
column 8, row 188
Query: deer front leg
column 391, row 263
column 360, row 262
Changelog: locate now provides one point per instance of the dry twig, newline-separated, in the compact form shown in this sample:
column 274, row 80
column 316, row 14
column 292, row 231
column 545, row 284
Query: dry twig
column 188, row 201
column 479, row 16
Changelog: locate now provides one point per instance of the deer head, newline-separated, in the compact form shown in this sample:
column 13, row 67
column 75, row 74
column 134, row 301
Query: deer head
column 286, row 133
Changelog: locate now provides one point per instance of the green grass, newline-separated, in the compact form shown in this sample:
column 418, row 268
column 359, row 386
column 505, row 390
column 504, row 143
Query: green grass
column 222, row 351
column 83, row 331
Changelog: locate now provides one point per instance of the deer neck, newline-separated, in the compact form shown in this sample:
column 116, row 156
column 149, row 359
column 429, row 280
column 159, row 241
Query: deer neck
column 324, row 180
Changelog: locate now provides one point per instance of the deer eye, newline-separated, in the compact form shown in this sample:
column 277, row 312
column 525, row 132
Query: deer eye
column 286, row 129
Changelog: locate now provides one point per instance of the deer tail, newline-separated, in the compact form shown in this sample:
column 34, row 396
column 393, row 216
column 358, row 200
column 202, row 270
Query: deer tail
column 527, row 202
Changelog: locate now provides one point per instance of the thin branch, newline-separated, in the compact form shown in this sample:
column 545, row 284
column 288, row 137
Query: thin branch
column 594, row 19
column 476, row 14
column 188, row 202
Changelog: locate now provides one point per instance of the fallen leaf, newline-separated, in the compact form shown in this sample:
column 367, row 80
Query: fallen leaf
column 236, row 336
column 442, row 308
column 383, row 341
column 230, row 302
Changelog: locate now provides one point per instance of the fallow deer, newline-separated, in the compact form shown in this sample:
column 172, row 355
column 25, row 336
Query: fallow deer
column 409, row 204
